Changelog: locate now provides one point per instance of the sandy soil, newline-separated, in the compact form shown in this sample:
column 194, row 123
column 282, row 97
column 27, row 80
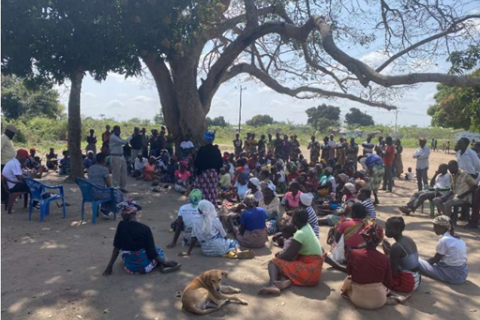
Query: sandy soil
column 53, row 270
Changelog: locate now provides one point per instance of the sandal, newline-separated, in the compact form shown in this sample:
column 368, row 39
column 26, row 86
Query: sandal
column 230, row 255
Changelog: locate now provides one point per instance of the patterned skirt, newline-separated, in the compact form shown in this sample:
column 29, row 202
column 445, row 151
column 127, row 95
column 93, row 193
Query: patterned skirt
column 253, row 239
column 303, row 271
column 218, row 246
column 376, row 178
column 109, row 206
column 137, row 262
column 207, row 182
column 406, row 281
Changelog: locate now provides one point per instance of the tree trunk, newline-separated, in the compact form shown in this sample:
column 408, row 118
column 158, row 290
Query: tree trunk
column 184, row 114
column 75, row 126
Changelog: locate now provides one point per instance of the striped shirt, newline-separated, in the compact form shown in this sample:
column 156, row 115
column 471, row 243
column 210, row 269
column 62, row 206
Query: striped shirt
column 368, row 204
column 313, row 220
column 368, row 147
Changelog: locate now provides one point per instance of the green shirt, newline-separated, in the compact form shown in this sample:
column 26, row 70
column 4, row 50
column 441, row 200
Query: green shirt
column 310, row 244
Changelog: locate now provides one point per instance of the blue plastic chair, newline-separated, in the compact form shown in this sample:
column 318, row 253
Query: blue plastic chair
column 86, row 187
column 37, row 191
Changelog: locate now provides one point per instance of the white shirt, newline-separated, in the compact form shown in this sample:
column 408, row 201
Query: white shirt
column 443, row 181
column 468, row 161
column 116, row 144
column 241, row 190
column 422, row 154
column 140, row 164
column 11, row 170
column 188, row 213
column 258, row 195
column 453, row 250
column 186, row 145
column 197, row 229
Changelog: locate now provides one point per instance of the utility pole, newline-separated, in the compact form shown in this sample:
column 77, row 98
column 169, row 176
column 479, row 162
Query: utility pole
column 240, row 109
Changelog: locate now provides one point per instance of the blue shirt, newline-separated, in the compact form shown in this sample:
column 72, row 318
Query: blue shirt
column 254, row 219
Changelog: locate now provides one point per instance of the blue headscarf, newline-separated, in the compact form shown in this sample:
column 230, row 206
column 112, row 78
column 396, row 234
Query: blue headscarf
column 209, row 136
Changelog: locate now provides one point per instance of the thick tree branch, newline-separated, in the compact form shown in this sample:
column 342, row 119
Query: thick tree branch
column 365, row 74
column 452, row 29
column 273, row 84
column 243, row 41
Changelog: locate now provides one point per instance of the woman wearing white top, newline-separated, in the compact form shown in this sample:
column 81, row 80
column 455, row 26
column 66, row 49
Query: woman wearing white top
column 208, row 230
column 450, row 261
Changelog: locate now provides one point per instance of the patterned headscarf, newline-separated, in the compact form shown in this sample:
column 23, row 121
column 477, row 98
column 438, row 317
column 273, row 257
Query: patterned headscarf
column 343, row 177
column 373, row 235
column 209, row 213
column 195, row 197
column 209, row 136
column 446, row 222
column 244, row 175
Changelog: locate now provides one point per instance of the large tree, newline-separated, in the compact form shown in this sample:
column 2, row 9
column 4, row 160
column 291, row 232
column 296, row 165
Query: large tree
column 25, row 98
column 60, row 40
column 260, row 120
column 298, row 48
column 457, row 108
column 358, row 118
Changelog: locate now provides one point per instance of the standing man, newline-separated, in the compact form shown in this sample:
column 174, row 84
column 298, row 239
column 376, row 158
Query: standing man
column 8, row 150
column 117, row 160
column 368, row 146
column 154, row 151
column 331, row 146
column 314, row 147
column 389, row 155
column 467, row 159
column 262, row 146
column 144, row 143
column 106, row 135
column 422, row 154
column 278, row 143
column 136, row 144
column 92, row 142
column 237, row 145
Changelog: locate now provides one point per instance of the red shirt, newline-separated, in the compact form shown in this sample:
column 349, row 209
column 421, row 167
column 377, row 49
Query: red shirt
column 389, row 155
column 369, row 266
column 292, row 176
column 355, row 240
column 182, row 176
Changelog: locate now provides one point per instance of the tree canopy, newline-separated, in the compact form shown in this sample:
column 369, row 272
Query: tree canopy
column 217, row 122
column 323, row 117
column 260, row 120
column 24, row 98
column 358, row 118
column 457, row 108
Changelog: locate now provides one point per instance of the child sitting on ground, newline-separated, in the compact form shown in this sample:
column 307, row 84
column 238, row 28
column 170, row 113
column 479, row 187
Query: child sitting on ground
column 284, row 238
column 65, row 164
column 149, row 169
column 225, row 180
column 139, row 166
column 409, row 175
column 182, row 177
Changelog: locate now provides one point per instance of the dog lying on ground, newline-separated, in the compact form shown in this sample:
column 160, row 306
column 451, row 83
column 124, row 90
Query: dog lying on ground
column 205, row 294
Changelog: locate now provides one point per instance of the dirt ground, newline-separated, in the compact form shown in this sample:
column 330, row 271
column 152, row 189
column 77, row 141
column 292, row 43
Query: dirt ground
column 53, row 270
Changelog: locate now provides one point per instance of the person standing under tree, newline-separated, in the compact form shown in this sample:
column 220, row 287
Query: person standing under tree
column 136, row 144
column 368, row 146
column 237, row 145
column 8, row 150
column 117, row 160
column 314, row 147
column 422, row 154
column 106, row 135
column 92, row 142
column 389, row 155
column 144, row 143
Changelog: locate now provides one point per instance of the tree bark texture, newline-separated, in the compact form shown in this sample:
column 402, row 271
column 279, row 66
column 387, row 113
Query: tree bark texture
column 75, row 126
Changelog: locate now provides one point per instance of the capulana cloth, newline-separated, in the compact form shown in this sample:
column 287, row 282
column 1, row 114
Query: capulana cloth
column 373, row 235
column 209, row 136
column 195, row 197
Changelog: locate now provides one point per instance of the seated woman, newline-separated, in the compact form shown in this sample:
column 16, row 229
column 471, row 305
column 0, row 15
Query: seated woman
column 182, row 178
column 237, row 192
column 99, row 175
column 450, row 261
column 135, row 241
column 184, row 221
column 149, row 169
column 334, row 212
column 208, row 230
column 292, row 171
column 370, row 275
column 403, row 257
column 279, row 178
column 302, row 262
column 254, row 189
column 292, row 198
column 52, row 162
column 349, row 230
column 326, row 184
column 312, row 183
column 252, row 232
column 271, row 204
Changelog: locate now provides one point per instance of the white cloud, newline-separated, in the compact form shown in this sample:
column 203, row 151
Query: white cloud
column 143, row 99
column 121, row 78
column 115, row 104
column 89, row 94
column 220, row 103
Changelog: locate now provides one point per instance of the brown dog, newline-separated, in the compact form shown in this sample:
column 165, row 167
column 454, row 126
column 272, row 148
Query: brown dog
column 205, row 294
